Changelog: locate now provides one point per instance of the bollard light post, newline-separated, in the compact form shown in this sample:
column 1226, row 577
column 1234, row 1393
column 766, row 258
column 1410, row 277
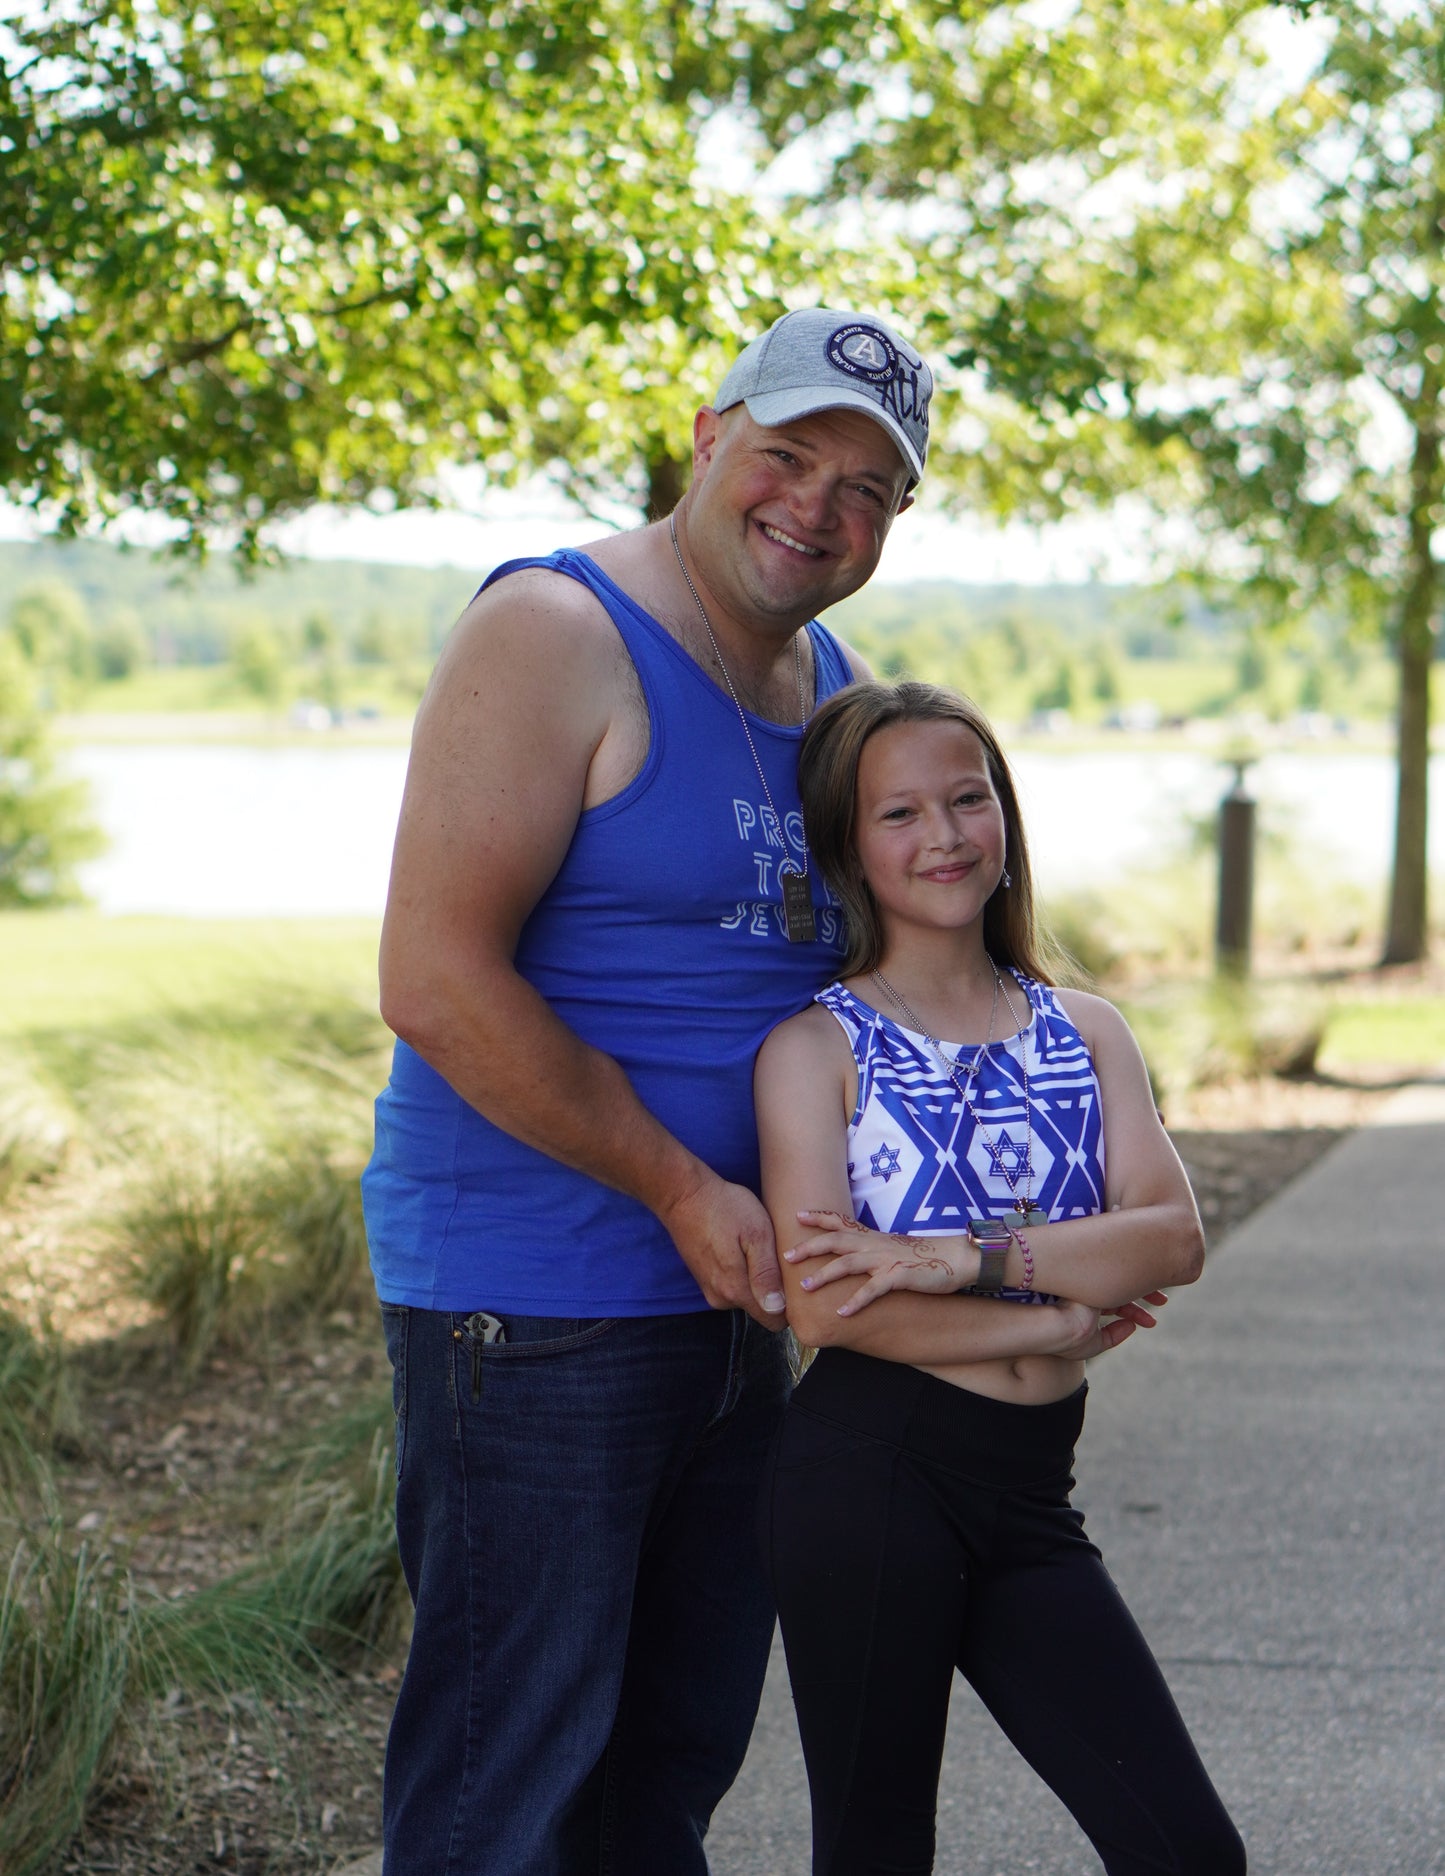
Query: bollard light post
column 1232, row 933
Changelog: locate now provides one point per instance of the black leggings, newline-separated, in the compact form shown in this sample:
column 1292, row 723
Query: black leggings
column 913, row 1527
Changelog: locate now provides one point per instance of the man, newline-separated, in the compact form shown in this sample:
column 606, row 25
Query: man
column 600, row 903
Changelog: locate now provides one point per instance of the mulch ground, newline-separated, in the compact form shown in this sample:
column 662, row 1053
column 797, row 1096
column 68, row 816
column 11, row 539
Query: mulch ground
column 173, row 1465
column 177, row 1469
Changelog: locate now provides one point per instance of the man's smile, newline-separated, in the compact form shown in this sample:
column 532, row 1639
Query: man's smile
column 786, row 540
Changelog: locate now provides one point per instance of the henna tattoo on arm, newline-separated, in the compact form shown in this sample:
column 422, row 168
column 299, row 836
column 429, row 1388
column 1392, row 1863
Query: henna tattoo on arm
column 916, row 1260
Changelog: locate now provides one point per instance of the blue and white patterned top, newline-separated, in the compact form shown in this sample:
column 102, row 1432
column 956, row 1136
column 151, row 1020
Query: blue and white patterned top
column 919, row 1163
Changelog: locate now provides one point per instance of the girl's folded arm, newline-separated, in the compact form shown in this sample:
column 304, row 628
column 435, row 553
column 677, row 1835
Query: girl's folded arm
column 804, row 1092
column 1148, row 1236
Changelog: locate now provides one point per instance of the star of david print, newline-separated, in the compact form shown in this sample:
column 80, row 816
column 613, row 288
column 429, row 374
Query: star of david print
column 1009, row 1159
column 884, row 1163
column 1049, row 1147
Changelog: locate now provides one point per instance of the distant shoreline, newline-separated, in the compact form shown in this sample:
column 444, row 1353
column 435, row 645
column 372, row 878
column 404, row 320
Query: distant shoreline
column 242, row 727
column 1203, row 735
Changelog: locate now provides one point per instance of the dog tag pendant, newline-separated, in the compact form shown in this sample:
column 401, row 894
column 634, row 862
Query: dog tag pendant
column 1032, row 1216
column 798, row 920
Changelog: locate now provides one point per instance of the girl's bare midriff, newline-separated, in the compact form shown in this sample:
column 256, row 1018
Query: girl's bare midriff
column 1028, row 1381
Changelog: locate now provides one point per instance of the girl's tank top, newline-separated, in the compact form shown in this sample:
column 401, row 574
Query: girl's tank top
column 661, row 942
column 918, row 1160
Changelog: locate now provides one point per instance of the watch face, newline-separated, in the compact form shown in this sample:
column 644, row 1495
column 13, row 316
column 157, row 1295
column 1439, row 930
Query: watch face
column 988, row 1230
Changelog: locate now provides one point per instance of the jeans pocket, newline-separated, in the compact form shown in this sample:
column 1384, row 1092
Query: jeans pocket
column 522, row 1347
column 395, row 1322
column 539, row 1337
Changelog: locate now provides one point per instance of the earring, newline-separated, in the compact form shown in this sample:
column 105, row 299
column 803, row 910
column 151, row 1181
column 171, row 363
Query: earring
column 1007, row 879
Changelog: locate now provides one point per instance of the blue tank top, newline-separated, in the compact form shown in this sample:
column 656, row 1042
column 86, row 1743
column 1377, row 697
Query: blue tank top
column 661, row 942
column 918, row 1160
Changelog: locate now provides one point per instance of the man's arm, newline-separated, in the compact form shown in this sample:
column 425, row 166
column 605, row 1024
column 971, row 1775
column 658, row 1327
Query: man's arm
column 529, row 718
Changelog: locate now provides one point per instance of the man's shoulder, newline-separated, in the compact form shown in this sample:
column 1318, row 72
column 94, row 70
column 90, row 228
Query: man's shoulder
column 851, row 659
column 537, row 614
column 535, row 672
column 543, row 586
column 579, row 591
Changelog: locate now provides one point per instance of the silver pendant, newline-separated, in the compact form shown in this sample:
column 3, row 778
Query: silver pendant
column 1032, row 1215
column 798, row 920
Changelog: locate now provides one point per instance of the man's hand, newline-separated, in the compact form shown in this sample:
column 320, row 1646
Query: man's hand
column 725, row 1238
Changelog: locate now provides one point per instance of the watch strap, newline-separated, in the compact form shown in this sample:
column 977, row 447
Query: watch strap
column 991, row 1260
column 992, row 1238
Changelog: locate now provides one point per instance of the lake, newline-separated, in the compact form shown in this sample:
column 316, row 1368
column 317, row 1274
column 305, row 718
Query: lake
column 225, row 830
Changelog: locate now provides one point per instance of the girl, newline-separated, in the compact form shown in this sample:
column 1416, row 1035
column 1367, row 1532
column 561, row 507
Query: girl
column 983, row 1152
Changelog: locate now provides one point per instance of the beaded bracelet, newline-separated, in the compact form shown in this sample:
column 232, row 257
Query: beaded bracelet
column 1027, row 1255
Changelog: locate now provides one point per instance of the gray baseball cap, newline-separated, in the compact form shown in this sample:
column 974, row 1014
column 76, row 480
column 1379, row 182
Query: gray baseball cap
column 821, row 359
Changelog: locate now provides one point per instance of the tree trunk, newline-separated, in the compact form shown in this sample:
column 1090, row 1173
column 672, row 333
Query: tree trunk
column 1407, row 939
column 667, row 480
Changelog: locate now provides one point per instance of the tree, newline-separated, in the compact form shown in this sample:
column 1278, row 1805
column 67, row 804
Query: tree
column 998, row 156
column 259, row 255
column 44, row 826
column 1339, row 342
column 259, row 661
column 120, row 645
column 1161, row 260
column 51, row 626
column 1062, row 690
column 1105, row 685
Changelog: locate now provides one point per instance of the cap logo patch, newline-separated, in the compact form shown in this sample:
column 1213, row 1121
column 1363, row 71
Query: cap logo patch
column 863, row 352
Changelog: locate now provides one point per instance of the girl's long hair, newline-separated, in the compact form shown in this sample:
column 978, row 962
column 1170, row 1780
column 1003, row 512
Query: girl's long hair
column 828, row 784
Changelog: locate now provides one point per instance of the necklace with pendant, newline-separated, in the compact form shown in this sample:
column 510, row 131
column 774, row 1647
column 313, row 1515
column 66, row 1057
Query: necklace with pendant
column 1022, row 1202
column 798, row 920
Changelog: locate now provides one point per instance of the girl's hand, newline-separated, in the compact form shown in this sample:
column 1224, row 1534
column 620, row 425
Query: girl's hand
column 1136, row 1312
column 1086, row 1332
column 889, row 1260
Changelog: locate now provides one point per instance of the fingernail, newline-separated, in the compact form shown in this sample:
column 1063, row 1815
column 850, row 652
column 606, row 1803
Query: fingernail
column 789, row 1256
column 775, row 1302
column 807, row 1283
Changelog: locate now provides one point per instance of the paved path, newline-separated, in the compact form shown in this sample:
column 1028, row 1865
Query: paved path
column 1266, row 1475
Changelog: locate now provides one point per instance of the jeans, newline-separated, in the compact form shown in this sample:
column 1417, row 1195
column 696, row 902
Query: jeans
column 575, row 1515
column 914, row 1529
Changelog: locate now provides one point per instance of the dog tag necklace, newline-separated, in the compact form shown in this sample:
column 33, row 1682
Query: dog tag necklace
column 1029, row 1213
column 798, row 920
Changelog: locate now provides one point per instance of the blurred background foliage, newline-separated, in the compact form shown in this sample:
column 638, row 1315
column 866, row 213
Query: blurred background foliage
column 101, row 630
column 257, row 257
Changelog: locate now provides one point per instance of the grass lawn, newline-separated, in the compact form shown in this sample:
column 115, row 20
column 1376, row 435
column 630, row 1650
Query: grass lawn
column 1406, row 1032
column 80, row 970
column 157, row 689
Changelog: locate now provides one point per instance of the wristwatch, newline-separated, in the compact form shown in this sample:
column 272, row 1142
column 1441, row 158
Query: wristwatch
column 992, row 1236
